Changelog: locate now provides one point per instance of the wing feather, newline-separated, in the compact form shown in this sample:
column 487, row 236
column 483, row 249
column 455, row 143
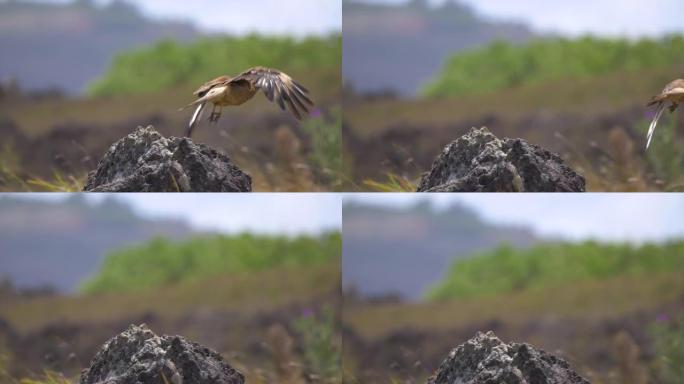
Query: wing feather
column 278, row 88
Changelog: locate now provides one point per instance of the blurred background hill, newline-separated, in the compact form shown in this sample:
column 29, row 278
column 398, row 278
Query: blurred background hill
column 75, row 233
column 573, row 84
column 381, row 244
column 78, row 75
column 578, row 275
column 262, row 290
column 44, row 39
column 395, row 48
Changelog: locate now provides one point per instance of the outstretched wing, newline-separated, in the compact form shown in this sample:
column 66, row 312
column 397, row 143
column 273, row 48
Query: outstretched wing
column 279, row 88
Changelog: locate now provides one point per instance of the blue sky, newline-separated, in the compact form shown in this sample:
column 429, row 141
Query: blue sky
column 291, row 17
column 603, row 17
column 635, row 217
column 281, row 213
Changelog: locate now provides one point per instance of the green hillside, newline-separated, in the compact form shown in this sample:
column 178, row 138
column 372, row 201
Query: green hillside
column 169, row 63
column 505, row 269
column 502, row 65
column 162, row 262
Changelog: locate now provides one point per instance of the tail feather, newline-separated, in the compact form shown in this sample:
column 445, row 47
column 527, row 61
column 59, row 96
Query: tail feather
column 195, row 118
column 654, row 122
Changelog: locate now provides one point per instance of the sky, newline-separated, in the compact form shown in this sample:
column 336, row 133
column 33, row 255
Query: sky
column 291, row 17
column 633, row 217
column 280, row 213
column 632, row 18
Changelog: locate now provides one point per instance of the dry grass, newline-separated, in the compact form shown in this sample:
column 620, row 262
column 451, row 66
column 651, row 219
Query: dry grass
column 39, row 117
column 572, row 117
column 251, row 135
column 394, row 183
column 245, row 294
column 590, row 299
column 585, row 96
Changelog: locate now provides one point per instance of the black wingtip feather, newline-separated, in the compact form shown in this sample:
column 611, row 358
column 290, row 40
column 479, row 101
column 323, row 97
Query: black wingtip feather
column 303, row 96
column 299, row 103
column 279, row 97
column 301, row 87
column 293, row 109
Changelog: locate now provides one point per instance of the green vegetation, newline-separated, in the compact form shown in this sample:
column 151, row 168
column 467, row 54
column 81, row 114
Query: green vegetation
column 394, row 183
column 504, row 65
column 669, row 345
column 48, row 378
column 162, row 262
column 168, row 64
column 321, row 345
column 326, row 148
column 506, row 269
column 665, row 158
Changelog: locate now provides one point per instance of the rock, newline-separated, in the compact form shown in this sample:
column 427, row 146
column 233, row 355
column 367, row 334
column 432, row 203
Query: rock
column 146, row 161
column 485, row 359
column 480, row 162
column 138, row 356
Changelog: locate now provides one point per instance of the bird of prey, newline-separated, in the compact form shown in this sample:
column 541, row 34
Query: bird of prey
column 674, row 94
column 225, row 91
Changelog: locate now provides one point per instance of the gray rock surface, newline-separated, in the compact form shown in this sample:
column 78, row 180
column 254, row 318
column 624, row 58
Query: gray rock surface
column 485, row 359
column 146, row 161
column 480, row 162
column 138, row 356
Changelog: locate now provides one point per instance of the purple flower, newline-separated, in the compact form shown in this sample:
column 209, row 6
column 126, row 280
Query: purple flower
column 307, row 312
column 663, row 318
column 316, row 112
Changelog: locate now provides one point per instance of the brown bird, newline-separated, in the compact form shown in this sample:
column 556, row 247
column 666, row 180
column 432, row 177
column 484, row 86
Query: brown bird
column 673, row 93
column 225, row 90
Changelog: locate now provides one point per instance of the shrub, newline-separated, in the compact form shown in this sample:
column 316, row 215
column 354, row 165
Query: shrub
column 161, row 261
column 503, row 65
column 168, row 63
column 506, row 269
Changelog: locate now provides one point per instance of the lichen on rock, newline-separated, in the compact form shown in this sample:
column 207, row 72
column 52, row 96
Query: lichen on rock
column 138, row 356
column 480, row 162
column 485, row 359
column 146, row 161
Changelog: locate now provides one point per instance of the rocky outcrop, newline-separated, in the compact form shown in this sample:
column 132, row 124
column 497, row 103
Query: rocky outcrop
column 480, row 162
column 146, row 161
column 485, row 359
column 138, row 356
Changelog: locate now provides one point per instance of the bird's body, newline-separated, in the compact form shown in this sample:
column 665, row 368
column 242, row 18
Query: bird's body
column 226, row 91
column 673, row 93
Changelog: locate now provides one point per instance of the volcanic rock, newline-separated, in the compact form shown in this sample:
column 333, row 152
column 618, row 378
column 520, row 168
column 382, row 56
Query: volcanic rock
column 480, row 162
column 485, row 359
column 146, row 161
column 138, row 356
